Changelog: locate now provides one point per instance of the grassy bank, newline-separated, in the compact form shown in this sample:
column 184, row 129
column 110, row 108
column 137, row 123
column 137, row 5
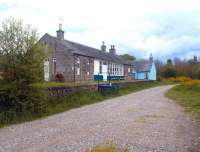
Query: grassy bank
column 188, row 95
column 61, row 104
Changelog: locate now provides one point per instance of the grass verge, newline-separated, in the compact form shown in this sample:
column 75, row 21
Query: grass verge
column 188, row 98
column 61, row 104
column 188, row 95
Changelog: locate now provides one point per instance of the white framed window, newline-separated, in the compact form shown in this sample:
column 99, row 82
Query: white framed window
column 78, row 65
column 78, row 71
column 46, row 69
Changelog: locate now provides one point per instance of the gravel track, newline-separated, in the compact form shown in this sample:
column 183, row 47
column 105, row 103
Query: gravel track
column 145, row 121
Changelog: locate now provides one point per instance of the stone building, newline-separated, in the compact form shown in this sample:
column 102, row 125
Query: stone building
column 78, row 62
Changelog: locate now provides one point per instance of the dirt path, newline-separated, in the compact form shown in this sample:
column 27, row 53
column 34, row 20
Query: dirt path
column 145, row 121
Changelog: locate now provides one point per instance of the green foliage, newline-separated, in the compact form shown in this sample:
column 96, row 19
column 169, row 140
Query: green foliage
column 178, row 67
column 41, row 105
column 194, row 69
column 128, row 57
column 16, row 100
column 168, row 71
column 21, row 64
column 186, row 96
column 22, row 59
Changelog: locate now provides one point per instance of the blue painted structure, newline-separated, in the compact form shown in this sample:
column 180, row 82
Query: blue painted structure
column 115, row 77
column 98, row 77
column 146, row 71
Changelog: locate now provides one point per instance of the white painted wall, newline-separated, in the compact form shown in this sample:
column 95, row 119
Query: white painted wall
column 104, row 71
column 46, row 71
column 96, row 67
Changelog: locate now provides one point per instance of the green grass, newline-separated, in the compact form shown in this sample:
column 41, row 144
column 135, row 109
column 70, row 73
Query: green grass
column 61, row 104
column 188, row 98
column 78, row 83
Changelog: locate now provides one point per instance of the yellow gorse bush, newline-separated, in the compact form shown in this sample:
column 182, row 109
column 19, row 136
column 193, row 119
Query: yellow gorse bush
column 192, row 84
column 182, row 79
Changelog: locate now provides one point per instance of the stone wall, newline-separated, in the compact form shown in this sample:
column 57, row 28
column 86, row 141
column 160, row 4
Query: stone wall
column 63, row 91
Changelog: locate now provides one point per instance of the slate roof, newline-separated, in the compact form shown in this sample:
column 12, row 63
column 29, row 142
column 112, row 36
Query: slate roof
column 142, row 65
column 84, row 50
column 76, row 48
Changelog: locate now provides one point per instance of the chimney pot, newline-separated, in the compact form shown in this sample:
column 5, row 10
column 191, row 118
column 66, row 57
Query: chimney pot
column 112, row 50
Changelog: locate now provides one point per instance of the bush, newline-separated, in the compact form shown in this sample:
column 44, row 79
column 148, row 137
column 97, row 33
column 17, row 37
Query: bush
column 16, row 99
column 59, row 77
column 192, row 84
column 169, row 71
column 182, row 79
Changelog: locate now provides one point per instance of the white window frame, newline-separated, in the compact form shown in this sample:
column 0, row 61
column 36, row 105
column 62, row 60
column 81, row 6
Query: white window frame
column 78, row 62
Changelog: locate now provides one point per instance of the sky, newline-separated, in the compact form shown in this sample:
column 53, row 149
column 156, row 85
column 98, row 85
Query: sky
column 165, row 28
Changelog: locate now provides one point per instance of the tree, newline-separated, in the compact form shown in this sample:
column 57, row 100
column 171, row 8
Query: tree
column 168, row 72
column 181, row 67
column 128, row 57
column 22, row 57
column 193, row 69
column 169, row 62
column 159, row 66
column 22, row 63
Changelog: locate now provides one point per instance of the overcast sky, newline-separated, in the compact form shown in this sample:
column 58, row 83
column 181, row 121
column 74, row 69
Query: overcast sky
column 165, row 28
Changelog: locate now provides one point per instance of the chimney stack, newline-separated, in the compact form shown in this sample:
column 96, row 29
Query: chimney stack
column 103, row 47
column 151, row 57
column 60, row 33
column 112, row 50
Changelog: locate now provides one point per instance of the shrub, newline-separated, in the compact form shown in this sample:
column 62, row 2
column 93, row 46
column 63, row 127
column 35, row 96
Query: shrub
column 16, row 99
column 192, row 84
column 59, row 77
column 182, row 79
column 169, row 71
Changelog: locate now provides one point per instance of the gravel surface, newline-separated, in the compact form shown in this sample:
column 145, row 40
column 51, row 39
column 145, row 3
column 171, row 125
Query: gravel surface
column 145, row 121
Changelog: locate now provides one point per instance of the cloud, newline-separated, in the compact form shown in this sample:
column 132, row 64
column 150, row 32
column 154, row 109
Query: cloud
column 165, row 28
